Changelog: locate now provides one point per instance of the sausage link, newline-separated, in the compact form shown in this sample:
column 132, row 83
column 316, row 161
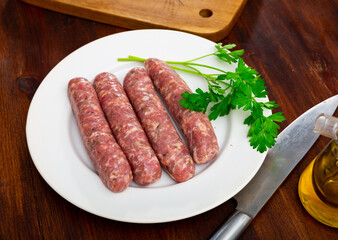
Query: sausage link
column 196, row 127
column 106, row 155
column 167, row 144
column 127, row 129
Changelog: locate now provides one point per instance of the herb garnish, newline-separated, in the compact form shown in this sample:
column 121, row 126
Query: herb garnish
column 230, row 90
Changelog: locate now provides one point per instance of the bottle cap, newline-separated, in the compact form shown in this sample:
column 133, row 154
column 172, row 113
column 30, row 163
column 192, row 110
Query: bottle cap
column 327, row 126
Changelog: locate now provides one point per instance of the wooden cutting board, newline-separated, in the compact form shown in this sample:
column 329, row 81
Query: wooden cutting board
column 212, row 19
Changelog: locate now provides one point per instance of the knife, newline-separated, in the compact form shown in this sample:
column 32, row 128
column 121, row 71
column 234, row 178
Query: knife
column 291, row 146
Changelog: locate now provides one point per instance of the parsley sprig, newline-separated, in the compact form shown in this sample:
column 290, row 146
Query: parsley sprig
column 230, row 90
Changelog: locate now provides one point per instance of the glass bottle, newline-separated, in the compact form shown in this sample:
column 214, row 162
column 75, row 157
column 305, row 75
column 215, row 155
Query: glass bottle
column 318, row 184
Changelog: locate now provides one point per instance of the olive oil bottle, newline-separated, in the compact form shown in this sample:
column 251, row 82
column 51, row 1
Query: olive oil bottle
column 318, row 184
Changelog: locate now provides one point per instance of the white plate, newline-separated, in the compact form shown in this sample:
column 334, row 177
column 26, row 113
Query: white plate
column 58, row 154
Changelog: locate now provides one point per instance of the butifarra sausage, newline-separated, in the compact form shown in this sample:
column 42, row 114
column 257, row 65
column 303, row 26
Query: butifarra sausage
column 167, row 144
column 127, row 129
column 106, row 155
column 196, row 126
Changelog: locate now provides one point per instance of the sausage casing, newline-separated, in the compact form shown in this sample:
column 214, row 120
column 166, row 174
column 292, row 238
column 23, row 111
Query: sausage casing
column 127, row 129
column 106, row 155
column 167, row 144
column 196, row 126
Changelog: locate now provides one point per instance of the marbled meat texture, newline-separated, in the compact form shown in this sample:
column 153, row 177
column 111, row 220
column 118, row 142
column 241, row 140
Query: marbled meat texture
column 167, row 144
column 106, row 155
column 196, row 127
column 127, row 129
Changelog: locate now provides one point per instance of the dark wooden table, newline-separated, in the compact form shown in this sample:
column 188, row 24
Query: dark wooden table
column 293, row 44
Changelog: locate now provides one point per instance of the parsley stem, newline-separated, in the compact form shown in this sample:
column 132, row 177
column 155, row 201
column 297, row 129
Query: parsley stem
column 195, row 64
column 185, row 63
column 184, row 70
column 192, row 60
column 132, row 58
column 200, row 73
column 222, row 82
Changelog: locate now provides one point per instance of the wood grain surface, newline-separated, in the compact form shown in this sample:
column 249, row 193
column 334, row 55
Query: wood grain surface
column 212, row 19
column 293, row 44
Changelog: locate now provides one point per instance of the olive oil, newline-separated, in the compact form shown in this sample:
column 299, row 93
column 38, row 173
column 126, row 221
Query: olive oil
column 325, row 175
column 318, row 184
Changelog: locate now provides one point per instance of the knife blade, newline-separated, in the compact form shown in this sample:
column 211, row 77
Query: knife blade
column 291, row 146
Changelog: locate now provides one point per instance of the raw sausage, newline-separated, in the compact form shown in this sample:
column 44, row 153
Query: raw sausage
column 106, row 155
column 167, row 144
column 127, row 129
column 196, row 127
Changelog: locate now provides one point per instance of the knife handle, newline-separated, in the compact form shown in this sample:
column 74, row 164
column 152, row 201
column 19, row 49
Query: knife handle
column 233, row 227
